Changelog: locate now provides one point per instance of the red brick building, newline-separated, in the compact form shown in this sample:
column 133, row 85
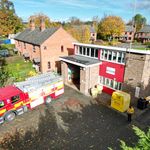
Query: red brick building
column 128, row 34
column 44, row 45
column 144, row 34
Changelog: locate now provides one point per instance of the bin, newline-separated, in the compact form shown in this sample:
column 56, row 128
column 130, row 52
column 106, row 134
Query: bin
column 142, row 103
column 120, row 101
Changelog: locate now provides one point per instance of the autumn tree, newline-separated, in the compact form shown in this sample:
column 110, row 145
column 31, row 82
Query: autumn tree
column 75, row 21
column 80, row 33
column 9, row 21
column 111, row 26
column 48, row 23
column 139, row 21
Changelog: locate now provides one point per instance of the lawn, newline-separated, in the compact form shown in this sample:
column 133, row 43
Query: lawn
column 19, row 69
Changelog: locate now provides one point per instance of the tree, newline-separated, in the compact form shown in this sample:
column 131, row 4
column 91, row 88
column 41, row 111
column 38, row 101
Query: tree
column 3, row 72
column 139, row 21
column 48, row 23
column 75, row 21
column 9, row 21
column 80, row 33
column 111, row 26
column 143, row 142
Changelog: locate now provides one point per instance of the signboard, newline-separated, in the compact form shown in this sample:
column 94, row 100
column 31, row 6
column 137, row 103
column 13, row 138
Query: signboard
column 110, row 70
column 137, row 92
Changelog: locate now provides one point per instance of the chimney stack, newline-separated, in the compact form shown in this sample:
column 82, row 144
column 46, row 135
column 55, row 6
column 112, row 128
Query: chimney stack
column 32, row 25
column 42, row 26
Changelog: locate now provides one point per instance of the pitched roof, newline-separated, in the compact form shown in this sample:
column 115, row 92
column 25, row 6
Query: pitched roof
column 129, row 28
column 146, row 29
column 35, row 36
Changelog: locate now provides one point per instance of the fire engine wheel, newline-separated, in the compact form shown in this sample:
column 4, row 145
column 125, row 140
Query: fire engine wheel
column 10, row 116
column 48, row 99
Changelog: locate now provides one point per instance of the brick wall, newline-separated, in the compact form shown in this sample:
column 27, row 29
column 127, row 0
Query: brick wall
column 88, row 78
column 137, row 73
column 59, row 44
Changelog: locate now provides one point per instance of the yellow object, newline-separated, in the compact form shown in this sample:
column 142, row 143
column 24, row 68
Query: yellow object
column 130, row 110
column 120, row 101
column 99, row 88
column 94, row 92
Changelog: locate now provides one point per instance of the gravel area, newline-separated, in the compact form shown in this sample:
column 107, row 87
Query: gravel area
column 74, row 121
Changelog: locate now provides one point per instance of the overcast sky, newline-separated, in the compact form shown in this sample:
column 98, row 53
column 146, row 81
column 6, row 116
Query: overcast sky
column 62, row 10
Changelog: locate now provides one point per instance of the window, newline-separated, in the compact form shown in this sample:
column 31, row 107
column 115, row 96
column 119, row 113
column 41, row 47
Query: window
column 49, row 65
column 45, row 47
column 93, row 34
column 88, row 51
column 114, row 56
column 62, row 48
column 80, row 50
column 1, row 104
column 110, row 83
column 109, row 55
column 84, row 50
column 92, row 52
column 119, row 57
column 130, row 33
column 96, row 53
column 15, row 98
column 129, row 38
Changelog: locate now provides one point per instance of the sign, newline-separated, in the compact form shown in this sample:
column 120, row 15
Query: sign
column 137, row 92
column 110, row 70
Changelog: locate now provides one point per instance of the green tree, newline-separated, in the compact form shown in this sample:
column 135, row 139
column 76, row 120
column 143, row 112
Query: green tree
column 3, row 72
column 139, row 21
column 110, row 27
column 143, row 141
column 9, row 21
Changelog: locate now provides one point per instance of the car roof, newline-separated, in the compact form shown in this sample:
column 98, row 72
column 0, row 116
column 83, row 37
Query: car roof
column 8, row 91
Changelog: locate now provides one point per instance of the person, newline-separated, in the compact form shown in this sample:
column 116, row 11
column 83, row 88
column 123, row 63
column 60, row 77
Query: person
column 130, row 112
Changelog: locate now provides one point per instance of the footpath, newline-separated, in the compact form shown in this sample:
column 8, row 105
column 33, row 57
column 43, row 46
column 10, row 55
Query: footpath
column 105, row 99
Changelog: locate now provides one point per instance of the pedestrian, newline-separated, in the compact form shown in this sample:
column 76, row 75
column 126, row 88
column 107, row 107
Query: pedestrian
column 130, row 112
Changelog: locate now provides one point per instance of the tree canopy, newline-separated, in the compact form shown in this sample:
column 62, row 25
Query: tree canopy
column 111, row 26
column 139, row 20
column 9, row 21
column 48, row 23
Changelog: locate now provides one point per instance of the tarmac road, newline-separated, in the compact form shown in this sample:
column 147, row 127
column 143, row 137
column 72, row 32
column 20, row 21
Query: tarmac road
column 72, row 122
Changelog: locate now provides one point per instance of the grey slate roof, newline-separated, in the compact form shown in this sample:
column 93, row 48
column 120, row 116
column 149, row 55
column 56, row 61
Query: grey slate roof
column 145, row 29
column 35, row 36
column 129, row 28
column 81, row 59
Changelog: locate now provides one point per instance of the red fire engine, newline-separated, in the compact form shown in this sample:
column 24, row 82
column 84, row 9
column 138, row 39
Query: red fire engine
column 18, row 98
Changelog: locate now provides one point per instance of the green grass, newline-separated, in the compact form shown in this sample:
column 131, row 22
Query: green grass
column 142, row 48
column 17, row 68
column 7, row 46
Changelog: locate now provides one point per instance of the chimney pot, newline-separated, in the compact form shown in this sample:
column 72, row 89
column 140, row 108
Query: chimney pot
column 42, row 26
column 32, row 24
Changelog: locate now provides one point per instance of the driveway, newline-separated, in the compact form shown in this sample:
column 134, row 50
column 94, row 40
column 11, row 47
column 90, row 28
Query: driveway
column 72, row 122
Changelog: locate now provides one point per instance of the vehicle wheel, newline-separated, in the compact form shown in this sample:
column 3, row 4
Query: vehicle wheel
column 48, row 100
column 10, row 116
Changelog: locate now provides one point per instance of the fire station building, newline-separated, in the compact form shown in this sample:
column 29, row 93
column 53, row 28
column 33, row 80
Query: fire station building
column 114, row 68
